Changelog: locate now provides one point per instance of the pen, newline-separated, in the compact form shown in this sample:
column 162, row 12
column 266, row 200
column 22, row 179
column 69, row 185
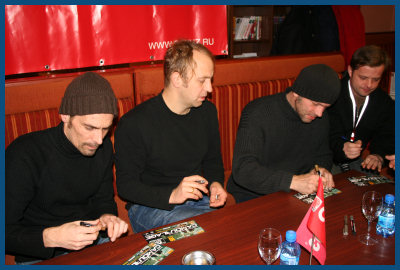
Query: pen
column 345, row 228
column 85, row 224
column 353, row 224
column 317, row 170
column 351, row 137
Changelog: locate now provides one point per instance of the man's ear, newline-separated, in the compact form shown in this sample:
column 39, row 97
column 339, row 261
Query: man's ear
column 65, row 118
column 349, row 70
column 176, row 79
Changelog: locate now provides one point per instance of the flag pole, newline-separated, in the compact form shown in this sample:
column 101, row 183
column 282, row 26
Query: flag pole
column 312, row 247
column 313, row 236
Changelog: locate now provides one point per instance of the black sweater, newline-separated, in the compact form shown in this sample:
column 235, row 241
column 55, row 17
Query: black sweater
column 272, row 145
column 156, row 148
column 376, row 126
column 48, row 183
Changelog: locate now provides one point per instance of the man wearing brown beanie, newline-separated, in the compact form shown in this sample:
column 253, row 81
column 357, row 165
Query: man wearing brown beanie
column 59, row 191
column 282, row 137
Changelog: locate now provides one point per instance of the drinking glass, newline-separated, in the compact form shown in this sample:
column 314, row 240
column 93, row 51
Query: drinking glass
column 269, row 244
column 371, row 208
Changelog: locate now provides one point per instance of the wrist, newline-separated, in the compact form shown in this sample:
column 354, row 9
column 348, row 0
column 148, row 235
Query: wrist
column 48, row 237
column 293, row 183
column 172, row 197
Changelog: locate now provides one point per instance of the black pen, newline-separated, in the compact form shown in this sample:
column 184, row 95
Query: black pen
column 353, row 225
column 85, row 224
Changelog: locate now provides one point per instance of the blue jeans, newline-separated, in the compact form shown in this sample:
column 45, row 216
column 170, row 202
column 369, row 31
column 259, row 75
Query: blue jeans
column 143, row 218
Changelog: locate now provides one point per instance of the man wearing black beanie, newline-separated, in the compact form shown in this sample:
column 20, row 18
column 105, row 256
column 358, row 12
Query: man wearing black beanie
column 58, row 181
column 282, row 137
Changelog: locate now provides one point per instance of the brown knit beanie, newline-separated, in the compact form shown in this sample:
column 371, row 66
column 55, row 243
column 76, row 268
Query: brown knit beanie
column 89, row 93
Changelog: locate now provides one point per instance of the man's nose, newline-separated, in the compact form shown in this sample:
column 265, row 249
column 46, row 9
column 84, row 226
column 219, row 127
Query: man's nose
column 98, row 137
column 319, row 110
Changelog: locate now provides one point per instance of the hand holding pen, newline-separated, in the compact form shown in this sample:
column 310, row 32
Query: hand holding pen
column 326, row 177
column 352, row 149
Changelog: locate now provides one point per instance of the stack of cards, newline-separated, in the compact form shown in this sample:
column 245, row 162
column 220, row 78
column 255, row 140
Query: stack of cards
column 154, row 252
column 309, row 198
column 173, row 233
column 369, row 180
column 151, row 254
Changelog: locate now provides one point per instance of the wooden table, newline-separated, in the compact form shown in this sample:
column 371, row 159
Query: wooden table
column 231, row 233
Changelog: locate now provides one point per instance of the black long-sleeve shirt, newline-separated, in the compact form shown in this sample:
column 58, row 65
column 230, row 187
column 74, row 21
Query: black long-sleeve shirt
column 376, row 127
column 272, row 145
column 156, row 148
column 49, row 183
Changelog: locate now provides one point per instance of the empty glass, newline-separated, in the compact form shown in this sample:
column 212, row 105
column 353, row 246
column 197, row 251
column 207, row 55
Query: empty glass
column 371, row 208
column 269, row 244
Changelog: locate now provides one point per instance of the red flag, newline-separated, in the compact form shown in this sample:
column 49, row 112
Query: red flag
column 314, row 223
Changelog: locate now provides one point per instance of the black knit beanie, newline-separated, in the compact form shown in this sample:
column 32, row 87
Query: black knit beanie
column 319, row 83
column 89, row 93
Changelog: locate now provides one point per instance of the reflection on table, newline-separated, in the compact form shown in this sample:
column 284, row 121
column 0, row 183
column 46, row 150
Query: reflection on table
column 231, row 233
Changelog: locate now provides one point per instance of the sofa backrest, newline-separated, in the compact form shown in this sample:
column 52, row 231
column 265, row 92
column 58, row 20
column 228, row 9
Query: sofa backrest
column 149, row 80
column 32, row 104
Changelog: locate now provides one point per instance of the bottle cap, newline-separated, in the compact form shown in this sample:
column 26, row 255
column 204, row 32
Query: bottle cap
column 290, row 236
column 389, row 198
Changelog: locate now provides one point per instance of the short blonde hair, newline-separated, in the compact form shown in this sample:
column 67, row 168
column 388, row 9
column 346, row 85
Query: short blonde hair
column 179, row 58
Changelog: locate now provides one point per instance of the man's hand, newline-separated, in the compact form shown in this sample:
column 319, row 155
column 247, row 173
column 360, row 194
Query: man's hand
column 392, row 161
column 352, row 150
column 218, row 195
column 191, row 187
column 308, row 183
column 71, row 235
column 326, row 177
column 115, row 226
column 373, row 162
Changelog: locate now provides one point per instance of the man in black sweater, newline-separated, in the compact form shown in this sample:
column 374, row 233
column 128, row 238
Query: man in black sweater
column 60, row 178
column 168, row 156
column 282, row 137
column 363, row 115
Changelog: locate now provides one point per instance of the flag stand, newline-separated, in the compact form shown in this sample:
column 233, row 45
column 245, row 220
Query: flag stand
column 312, row 247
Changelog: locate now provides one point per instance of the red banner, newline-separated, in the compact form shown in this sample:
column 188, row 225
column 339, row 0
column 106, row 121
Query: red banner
column 54, row 37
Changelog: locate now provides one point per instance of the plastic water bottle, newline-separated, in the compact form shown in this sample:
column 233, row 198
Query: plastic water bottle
column 290, row 253
column 385, row 225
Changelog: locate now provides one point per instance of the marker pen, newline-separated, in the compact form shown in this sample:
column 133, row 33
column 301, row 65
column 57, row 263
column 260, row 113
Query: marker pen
column 85, row 224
